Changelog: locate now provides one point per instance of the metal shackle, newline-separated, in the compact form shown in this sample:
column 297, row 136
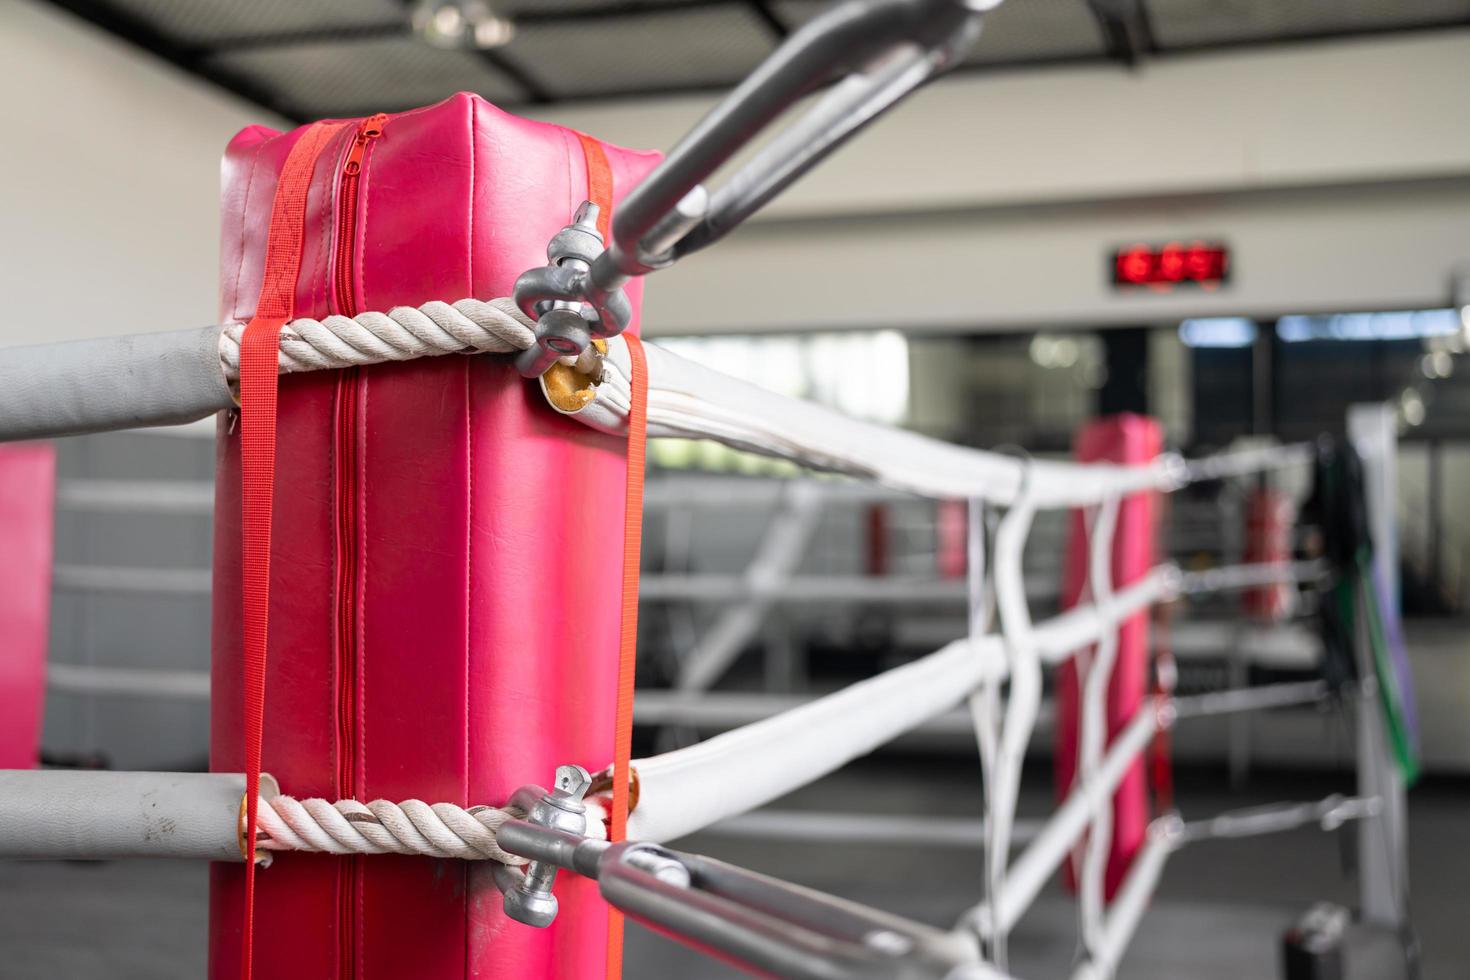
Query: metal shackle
column 569, row 308
column 531, row 900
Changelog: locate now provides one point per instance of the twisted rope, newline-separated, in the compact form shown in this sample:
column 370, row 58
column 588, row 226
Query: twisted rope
column 403, row 333
column 440, row 830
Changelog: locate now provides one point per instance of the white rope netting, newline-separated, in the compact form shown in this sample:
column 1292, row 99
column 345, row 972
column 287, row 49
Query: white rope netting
column 440, row 830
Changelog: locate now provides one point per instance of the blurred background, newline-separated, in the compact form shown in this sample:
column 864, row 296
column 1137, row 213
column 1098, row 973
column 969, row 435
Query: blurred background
column 1239, row 216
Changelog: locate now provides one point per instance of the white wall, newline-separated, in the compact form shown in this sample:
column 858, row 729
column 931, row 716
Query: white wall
column 1382, row 246
column 1351, row 111
column 1339, row 172
column 109, row 183
column 109, row 223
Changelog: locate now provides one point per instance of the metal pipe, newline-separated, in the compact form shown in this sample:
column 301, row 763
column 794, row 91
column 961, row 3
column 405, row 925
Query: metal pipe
column 1250, row 575
column 1329, row 814
column 1243, row 462
column 817, row 588
column 174, row 497
column 826, row 588
column 880, row 829
column 1251, row 699
column 664, row 707
column 145, row 581
column 777, row 557
column 137, row 682
column 875, row 52
column 727, row 492
column 78, row 815
column 729, row 709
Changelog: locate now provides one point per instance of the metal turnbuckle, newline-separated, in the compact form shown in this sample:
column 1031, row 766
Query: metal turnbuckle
column 869, row 53
column 768, row 926
column 776, row 928
column 569, row 311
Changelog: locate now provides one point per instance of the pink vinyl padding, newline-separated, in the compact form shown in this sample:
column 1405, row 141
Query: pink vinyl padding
column 487, row 549
column 1270, row 516
column 1123, row 438
column 27, row 506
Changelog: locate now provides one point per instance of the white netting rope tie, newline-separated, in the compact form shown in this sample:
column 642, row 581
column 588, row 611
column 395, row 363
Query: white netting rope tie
column 440, row 830
column 468, row 326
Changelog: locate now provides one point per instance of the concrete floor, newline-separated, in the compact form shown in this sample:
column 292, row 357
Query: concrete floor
column 1220, row 909
column 1219, row 912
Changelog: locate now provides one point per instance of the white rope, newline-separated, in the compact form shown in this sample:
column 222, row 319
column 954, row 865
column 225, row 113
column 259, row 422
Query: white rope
column 1049, row 848
column 984, row 701
column 690, row 788
column 1251, row 575
column 1098, row 676
column 403, row 333
column 687, row 400
column 690, row 401
column 440, row 830
column 1164, row 837
column 1023, row 701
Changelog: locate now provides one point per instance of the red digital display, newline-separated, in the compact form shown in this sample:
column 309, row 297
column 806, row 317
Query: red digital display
column 1163, row 267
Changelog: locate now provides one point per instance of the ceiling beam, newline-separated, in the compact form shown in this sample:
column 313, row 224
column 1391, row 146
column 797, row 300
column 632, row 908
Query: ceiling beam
column 1127, row 33
column 1125, row 25
column 767, row 15
column 315, row 35
column 531, row 89
column 616, row 10
column 536, row 93
column 193, row 59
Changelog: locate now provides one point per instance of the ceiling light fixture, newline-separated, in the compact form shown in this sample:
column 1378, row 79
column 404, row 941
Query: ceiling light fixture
column 461, row 24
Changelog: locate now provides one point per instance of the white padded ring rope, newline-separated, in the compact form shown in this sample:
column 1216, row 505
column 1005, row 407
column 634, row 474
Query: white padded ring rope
column 1096, row 677
column 1023, row 701
column 690, row 788
column 495, row 326
column 690, row 401
column 440, row 830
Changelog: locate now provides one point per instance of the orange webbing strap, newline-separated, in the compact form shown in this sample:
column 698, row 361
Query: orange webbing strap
column 258, row 381
column 600, row 192
column 628, row 634
column 599, row 182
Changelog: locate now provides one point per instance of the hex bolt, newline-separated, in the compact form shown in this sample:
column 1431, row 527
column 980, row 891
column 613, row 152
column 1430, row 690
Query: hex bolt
column 572, row 782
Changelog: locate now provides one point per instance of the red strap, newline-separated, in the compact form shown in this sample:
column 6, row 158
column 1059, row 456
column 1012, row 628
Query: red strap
column 628, row 634
column 258, row 381
column 599, row 182
column 600, row 192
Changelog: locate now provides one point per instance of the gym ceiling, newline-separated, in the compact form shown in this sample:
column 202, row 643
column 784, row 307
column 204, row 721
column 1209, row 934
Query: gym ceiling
column 308, row 59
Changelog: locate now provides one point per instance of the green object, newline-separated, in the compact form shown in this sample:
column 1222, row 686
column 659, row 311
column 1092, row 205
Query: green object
column 1389, row 697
